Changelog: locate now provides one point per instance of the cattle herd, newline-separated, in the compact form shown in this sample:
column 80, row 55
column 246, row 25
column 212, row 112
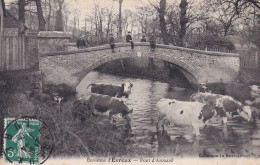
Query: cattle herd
column 104, row 98
column 226, row 101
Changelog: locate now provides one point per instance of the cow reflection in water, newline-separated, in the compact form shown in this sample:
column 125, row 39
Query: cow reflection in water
column 196, row 146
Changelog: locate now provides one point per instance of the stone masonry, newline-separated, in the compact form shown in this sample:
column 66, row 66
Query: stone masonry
column 70, row 67
column 50, row 41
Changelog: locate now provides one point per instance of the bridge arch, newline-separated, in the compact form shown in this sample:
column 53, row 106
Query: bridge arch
column 70, row 67
column 187, row 70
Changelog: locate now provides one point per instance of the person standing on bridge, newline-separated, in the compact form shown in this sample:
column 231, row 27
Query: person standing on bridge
column 129, row 39
column 81, row 43
column 112, row 42
column 152, row 42
column 143, row 39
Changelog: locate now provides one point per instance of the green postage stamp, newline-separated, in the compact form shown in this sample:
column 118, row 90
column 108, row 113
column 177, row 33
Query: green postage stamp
column 22, row 141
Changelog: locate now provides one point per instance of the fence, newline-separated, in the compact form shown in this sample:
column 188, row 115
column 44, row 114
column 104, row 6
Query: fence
column 216, row 50
column 249, row 59
column 15, row 53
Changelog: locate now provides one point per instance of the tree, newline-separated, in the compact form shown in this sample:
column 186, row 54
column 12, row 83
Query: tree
column 59, row 17
column 120, row 21
column 144, row 17
column 75, row 29
column 161, row 9
column 109, row 21
column 229, row 12
column 240, row 5
column 40, row 15
column 21, row 16
column 66, row 13
column 183, row 21
column 49, row 15
column 126, row 21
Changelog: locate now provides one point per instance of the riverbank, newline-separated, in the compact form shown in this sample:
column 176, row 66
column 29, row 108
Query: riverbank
column 21, row 96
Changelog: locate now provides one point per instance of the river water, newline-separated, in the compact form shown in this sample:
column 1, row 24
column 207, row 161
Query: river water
column 238, row 139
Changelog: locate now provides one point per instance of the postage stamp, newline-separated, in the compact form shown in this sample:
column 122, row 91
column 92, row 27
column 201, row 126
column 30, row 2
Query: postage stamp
column 22, row 141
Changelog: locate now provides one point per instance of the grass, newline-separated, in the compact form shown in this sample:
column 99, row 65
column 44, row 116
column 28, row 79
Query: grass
column 20, row 96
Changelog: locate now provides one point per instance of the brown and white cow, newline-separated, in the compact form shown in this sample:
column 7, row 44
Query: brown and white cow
column 105, row 103
column 112, row 90
column 184, row 113
column 255, row 96
column 224, row 104
column 241, row 92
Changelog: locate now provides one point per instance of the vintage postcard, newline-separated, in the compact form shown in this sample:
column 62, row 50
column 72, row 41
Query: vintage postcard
column 130, row 82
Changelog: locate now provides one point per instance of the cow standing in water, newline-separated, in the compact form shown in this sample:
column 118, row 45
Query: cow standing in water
column 226, row 104
column 249, row 95
column 185, row 113
column 112, row 90
column 105, row 103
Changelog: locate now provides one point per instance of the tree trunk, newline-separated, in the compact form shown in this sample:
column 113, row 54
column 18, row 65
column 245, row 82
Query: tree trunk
column 66, row 23
column 163, row 22
column 49, row 17
column 74, row 27
column 40, row 15
column 101, row 30
column 183, row 21
column 120, row 21
column 21, row 16
column 59, row 18
column 108, row 25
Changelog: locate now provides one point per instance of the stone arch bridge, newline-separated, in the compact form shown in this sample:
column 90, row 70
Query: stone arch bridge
column 70, row 67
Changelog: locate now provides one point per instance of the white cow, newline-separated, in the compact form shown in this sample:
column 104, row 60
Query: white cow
column 184, row 113
column 224, row 105
column 255, row 95
column 112, row 90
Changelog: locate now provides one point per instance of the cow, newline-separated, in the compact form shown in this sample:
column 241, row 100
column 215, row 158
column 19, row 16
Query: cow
column 255, row 90
column 218, row 88
column 185, row 113
column 224, row 104
column 105, row 103
column 112, row 90
column 255, row 95
column 241, row 92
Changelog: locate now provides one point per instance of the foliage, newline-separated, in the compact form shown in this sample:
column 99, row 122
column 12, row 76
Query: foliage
column 203, row 41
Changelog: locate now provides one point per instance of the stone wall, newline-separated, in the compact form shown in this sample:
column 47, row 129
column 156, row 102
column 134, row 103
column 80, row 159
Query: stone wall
column 31, row 41
column 70, row 67
column 51, row 41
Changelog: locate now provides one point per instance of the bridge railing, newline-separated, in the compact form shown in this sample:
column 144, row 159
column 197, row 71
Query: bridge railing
column 144, row 44
column 72, row 46
column 217, row 50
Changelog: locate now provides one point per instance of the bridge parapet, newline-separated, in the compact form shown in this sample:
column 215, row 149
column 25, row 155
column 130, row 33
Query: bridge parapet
column 51, row 41
column 145, row 44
